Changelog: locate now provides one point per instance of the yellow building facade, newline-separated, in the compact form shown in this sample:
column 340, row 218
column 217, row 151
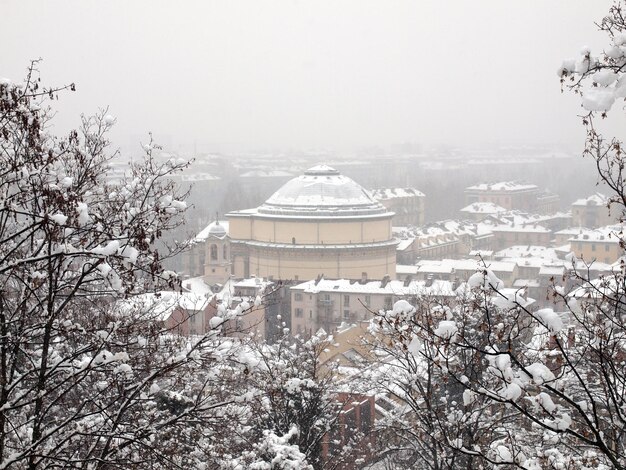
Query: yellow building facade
column 320, row 223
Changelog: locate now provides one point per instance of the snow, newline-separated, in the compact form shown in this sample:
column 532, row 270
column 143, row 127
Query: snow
column 447, row 329
column 604, row 77
column 502, row 454
column 110, row 249
column 402, row 306
column 598, row 99
column 485, row 279
column 550, row 319
column 109, row 120
column 129, row 253
column 502, row 186
column 511, row 391
column 83, row 213
column 619, row 39
column 545, row 401
column 59, row 218
column 468, row 397
column 567, row 67
column 66, row 182
column 540, row 373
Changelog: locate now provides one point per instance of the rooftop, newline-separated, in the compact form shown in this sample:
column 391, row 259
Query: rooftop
column 503, row 186
column 597, row 199
column 321, row 192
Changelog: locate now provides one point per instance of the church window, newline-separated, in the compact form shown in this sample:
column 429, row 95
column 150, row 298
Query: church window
column 213, row 252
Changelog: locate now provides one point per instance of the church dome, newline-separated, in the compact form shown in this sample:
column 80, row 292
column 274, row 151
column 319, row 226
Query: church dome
column 320, row 192
column 217, row 230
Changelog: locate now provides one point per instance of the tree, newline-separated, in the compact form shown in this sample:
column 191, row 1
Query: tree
column 293, row 407
column 88, row 378
column 548, row 386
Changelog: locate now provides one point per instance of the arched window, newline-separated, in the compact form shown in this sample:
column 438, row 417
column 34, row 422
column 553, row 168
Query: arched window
column 293, row 240
column 214, row 252
column 225, row 252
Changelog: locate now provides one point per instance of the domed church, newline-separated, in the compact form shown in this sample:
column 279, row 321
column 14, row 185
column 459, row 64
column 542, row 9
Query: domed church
column 319, row 223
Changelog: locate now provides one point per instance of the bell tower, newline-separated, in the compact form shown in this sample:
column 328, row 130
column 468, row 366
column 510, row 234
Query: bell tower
column 217, row 265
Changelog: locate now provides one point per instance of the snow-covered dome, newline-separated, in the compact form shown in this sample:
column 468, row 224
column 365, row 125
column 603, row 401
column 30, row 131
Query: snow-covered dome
column 321, row 191
column 217, row 230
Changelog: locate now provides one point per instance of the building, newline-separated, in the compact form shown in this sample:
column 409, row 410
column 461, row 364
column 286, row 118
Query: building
column 508, row 194
column 592, row 212
column 329, row 303
column 479, row 210
column 443, row 239
column 209, row 255
column 319, row 223
column 602, row 245
column 406, row 203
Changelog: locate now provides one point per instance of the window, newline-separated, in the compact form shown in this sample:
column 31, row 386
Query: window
column 368, row 300
column 606, row 247
column 225, row 252
column 192, row 319
column 326, row 297
column 299, row 312
column 293, row 240
column 593, row 247
column 346, row 314
column 388, row 302
column 311, row 314
column 214, row 252
column 297, row 297
column 346, row 300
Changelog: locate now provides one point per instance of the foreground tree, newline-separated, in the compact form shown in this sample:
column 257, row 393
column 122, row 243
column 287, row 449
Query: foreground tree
column 88, row 379
column 548, row 387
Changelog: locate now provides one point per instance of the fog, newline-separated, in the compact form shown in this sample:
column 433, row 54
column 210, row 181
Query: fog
column 253, row 76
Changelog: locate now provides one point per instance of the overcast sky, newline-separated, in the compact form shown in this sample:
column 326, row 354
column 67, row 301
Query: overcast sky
column 310, row 74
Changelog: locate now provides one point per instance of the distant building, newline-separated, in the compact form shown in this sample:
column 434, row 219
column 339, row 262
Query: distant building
column 209, row 255
column 479, row 210
column 318, row 223
column 507, row 194
column 329, row 303
column 601, row 244
column 407, row 204
column 592, row 212
column 548, row 203
column 443, row 239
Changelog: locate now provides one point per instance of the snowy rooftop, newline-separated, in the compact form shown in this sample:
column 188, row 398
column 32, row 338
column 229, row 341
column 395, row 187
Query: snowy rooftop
column 391, row 193
column 376, row 287
column 163, row 304
column 217, row 228
column 451, row 265
column 322, row 191
column 597, row 199
column 483, row 208
column 199, row 177
column 453, row 228
column 609, row 234
column 526, row 251
column 503, row 186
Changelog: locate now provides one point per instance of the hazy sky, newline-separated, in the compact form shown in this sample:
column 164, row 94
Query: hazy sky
column 315, row 74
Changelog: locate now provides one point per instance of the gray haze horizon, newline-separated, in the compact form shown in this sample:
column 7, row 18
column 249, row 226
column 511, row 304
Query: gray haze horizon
column 246, row 76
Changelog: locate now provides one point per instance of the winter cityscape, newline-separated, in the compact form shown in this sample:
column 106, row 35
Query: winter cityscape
column 309, row 236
